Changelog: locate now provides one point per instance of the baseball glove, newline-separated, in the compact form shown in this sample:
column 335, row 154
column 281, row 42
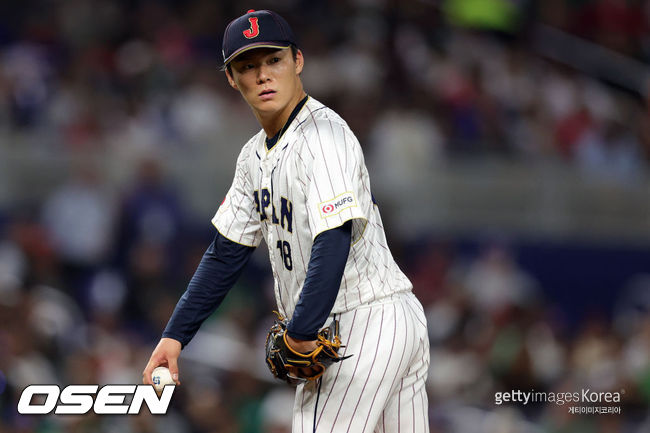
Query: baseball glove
column 295, row 367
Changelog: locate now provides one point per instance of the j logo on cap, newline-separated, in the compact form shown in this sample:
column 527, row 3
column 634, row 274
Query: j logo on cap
column 254, row 30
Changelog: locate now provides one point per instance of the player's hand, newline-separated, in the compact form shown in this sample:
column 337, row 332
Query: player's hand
column 165, row 354
column 302, row 346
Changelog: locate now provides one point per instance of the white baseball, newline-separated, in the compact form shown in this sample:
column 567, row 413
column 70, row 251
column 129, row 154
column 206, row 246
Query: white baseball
column 161, row 377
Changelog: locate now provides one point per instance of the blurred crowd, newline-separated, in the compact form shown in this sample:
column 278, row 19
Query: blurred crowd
column 83, row 309
column 90, row 275
column 620, row 25
column 119, row 76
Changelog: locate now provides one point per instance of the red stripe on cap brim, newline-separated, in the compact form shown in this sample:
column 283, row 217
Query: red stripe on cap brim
column 256, row 45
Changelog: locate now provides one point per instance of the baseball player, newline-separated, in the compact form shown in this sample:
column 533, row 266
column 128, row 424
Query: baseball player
column 301, row 184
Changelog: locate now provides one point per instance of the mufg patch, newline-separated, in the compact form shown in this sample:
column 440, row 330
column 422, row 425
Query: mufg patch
column 337, row 204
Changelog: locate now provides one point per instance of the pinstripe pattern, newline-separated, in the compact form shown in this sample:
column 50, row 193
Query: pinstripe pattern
column 382, row 390
column 317, row 159
column 338, row 372
column 317, row 168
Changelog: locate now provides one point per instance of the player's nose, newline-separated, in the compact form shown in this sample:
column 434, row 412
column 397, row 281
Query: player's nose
column 262, row 74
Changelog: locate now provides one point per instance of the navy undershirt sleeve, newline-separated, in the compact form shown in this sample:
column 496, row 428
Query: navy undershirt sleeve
column 329, row 254
column 220, row 267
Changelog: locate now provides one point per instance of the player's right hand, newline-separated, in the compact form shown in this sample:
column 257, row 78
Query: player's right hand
column 165, row 354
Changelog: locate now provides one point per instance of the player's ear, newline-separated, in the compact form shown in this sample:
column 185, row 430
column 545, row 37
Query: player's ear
column 231, row 81
column 300, row 62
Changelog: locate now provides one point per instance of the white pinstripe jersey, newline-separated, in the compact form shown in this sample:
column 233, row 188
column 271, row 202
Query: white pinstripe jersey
column 312, row 180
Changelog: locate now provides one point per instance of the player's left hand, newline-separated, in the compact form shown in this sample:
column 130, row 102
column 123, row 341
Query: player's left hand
column 295, row 360
column 306, row 347
column 302, row 346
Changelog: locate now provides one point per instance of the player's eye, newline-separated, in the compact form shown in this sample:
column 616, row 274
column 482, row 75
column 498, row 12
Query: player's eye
column 275, row 60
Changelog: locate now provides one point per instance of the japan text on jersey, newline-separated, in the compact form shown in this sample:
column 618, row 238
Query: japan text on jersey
column 313, row 179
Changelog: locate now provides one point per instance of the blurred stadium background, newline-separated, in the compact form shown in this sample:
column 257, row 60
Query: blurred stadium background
column 509, row 149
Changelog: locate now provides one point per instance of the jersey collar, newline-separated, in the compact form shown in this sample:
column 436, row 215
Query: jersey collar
column 270, row 142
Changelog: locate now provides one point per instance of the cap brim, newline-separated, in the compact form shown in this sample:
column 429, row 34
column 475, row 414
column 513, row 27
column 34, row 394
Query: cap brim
column 252, row 46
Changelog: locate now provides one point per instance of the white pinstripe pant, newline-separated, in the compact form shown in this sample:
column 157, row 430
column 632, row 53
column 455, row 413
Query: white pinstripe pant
column 381, row 389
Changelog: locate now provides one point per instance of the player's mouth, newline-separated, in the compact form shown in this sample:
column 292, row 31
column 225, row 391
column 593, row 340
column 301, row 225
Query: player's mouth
column 265, row 95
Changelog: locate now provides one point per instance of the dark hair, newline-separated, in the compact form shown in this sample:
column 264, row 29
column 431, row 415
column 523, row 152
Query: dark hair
column 294, row 53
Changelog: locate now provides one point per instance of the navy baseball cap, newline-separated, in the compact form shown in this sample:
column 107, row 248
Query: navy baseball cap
column 256, row 29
